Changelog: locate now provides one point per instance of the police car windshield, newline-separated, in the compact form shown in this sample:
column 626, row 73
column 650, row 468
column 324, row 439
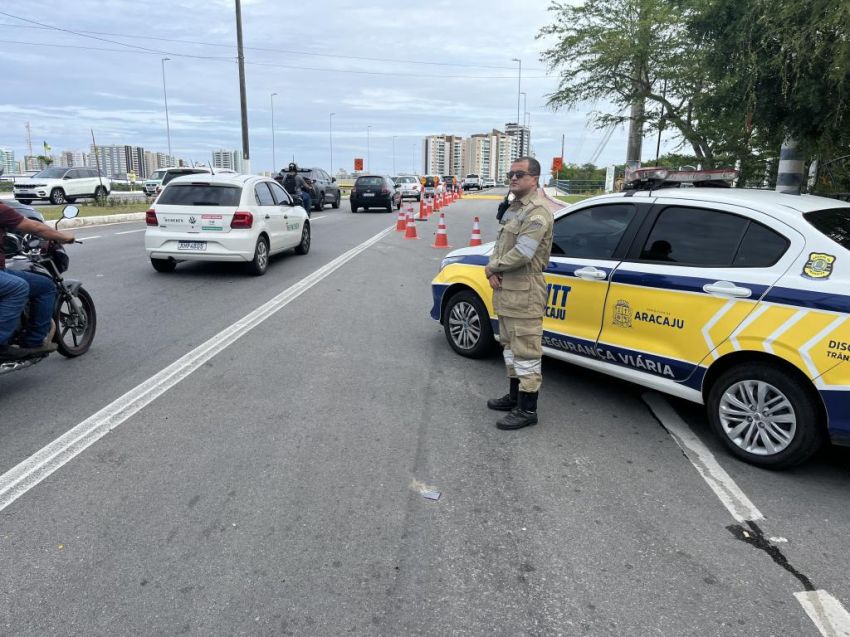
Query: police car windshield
column 834, row 223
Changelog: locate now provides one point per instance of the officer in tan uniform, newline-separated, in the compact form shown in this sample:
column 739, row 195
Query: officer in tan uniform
column 515, row 273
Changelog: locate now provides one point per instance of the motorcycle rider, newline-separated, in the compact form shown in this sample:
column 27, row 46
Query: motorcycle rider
column 18, row 286
column 296, row 185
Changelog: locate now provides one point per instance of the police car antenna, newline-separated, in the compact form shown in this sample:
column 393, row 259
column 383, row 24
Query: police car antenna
column 212, row 172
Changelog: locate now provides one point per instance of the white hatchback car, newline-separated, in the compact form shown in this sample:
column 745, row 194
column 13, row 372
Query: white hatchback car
column 224, row 217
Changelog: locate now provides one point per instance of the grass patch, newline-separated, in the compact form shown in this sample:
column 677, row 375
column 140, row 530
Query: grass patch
column 571, row 198
column 55, row 212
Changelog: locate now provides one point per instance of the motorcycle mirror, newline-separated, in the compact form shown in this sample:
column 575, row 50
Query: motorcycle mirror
column 69, row 212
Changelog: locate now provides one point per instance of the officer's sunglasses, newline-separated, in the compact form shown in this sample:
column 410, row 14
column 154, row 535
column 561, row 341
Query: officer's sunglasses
column 519, row 174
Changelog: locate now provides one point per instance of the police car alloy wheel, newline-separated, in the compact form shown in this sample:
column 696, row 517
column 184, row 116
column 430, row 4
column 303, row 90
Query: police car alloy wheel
column 261, row 257
column 765, row 416
column 304, row 246
column 467, row 325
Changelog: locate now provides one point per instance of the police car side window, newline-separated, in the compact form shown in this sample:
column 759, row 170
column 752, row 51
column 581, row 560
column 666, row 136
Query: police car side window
column 761, row 247
column 592, row 233
column 695, row 236
column 280, row 195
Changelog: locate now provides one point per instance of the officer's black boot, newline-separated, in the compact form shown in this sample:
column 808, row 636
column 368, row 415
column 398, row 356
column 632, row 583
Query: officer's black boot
column 523, row 415
column 509, row 400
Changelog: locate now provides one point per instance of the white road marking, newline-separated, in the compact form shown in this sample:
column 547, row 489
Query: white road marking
column 724, row 487
column 830, row 617
column 317, row 218
column 30, row 472
column 97, row 236
column 130, row 231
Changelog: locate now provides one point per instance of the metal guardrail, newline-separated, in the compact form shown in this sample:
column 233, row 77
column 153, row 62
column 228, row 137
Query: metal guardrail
column 579, row 186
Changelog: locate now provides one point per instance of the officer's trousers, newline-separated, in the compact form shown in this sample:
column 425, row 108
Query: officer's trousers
column 522, row 340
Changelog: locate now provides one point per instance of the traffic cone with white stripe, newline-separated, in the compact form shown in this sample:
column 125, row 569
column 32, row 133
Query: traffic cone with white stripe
column 423, row 207
column 411, row 212
column 475, row 239
column 437, row 205
column 410, row 231
column 401, row 222
column 442, row 238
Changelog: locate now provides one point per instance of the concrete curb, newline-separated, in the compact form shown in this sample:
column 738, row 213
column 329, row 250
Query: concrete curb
column 79, row 222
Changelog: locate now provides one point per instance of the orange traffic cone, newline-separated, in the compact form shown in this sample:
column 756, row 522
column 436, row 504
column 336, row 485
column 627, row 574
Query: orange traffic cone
column 401, row 222
column 410, row 231
column 423, row 207
column 442, row 238
column 475, row 239
column 437, row 205
column 420, row 217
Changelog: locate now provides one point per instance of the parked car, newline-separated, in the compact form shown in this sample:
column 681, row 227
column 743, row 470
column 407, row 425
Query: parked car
column 410, row 186
column 473, row 181
column 375, row 191
column 450, row 182
column 60, row 185
column 488, row 182
column 325, row 186
column 224, row 217
column 160, row 178
column 732, row 298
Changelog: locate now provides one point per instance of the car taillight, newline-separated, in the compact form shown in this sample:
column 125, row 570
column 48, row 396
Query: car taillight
column 385, row 190
column 242, row 220
column 150, row 218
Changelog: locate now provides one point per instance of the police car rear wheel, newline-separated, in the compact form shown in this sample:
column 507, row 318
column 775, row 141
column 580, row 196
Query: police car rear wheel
column 304, row 246
column 467, row 325
column 260, row 263
column 765, row 416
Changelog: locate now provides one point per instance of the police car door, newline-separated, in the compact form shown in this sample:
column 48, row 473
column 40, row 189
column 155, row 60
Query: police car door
column 587, row 245
column 271, row 213
column 691, row 283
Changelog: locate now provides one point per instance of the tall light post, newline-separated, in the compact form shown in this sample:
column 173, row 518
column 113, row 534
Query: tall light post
column 524, row 106
column 331, row 139
column 413, row 158
column 368, row 164
column 518, row 87
column 274, row 159
column 165, row 96
column 394, row 136
column 243, row 97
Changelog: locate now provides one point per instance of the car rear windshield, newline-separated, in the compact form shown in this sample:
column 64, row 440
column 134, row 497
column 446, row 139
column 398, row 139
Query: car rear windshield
column 834, row 223
column 157, row 175
column 369, row 181
column 472, row 176
column 430, row 181
column 171, row 174
column 200, row 195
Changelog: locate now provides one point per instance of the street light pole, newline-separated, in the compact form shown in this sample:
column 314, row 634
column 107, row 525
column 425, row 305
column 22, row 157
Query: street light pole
column 368, row 163
column 518, row 87
column 394, row 136
column 331, row 139
column 165, row 96
column 243, row 98
column 274, row 159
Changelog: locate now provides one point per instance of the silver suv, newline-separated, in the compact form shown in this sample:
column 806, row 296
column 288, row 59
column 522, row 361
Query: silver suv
column 60, row 185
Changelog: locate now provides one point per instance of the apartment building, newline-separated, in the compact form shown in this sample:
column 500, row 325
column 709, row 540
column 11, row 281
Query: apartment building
column 228, row 159
column 489, row 155
column 8, row 164
column 521, row 136
column 443, row 155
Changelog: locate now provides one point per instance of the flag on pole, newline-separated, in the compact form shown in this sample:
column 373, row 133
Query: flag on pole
column 47, row 148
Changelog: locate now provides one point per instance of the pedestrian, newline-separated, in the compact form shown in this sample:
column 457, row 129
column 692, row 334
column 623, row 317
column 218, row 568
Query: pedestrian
column 515, row 272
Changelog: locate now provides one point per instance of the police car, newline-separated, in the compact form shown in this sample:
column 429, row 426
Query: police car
column 733, row 298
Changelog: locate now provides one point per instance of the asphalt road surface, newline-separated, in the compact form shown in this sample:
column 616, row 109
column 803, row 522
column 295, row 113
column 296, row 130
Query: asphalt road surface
column 271, row 481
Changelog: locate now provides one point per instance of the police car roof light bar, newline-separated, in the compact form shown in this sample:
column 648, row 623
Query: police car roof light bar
column 653, row 178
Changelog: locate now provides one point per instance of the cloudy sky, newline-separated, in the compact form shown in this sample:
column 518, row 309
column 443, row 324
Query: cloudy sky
column 404, row 70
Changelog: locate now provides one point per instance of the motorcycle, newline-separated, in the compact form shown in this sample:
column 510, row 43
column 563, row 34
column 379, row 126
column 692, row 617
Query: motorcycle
column 74, row 315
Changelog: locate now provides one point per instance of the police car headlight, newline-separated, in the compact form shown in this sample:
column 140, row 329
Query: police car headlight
column 449, row 261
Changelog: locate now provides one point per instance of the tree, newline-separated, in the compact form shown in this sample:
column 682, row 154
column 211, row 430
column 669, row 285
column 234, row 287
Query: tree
column 623, row 52
column 45, row 160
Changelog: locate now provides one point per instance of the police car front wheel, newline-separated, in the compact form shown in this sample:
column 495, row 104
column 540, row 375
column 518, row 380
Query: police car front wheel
column 765, row 416
column 467, row 325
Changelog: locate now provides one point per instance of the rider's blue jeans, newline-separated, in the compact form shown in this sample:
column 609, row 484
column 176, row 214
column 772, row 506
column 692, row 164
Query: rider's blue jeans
column 15, row 287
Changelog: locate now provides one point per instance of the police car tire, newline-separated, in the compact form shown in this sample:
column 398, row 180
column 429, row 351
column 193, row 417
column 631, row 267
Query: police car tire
column 485, row 344
column 304, row 246
column 809, row 435
column 260, row 262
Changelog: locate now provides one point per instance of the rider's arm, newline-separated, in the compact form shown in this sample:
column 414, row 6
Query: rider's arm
column 46, row 232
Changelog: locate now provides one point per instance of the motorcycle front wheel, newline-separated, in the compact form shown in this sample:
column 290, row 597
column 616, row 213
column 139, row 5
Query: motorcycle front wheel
column 75, row 328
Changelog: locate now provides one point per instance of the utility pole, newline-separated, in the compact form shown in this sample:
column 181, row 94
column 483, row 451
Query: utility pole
column 274, row 159
column 368, row 164
column 29, row 142
column 394, row 136
column 518, row 87
column 331, row 139
column 243, row 99
column 165, row 97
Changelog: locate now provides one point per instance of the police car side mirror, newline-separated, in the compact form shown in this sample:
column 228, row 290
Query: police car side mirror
column 297, row 201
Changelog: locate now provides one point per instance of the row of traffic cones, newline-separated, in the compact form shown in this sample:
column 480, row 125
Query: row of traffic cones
column 407, row 223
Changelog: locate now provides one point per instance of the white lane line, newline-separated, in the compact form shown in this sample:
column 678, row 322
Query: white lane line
column 130, row 231
column 827, row 613
column 28, row 473
column 724, row 487
column 317, row 218
column 97, row 236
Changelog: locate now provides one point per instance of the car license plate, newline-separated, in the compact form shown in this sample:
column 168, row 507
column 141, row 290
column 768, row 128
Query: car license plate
column 368, row 194
column 192, row 245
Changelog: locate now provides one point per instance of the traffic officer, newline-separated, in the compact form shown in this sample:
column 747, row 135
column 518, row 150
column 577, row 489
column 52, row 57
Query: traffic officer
column 515, row 273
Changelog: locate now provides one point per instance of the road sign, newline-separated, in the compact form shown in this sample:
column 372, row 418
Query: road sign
column 557, row 164
column 358, row 163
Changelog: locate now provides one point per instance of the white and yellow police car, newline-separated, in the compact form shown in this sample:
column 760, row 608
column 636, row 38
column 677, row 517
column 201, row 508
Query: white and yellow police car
column 734, row 298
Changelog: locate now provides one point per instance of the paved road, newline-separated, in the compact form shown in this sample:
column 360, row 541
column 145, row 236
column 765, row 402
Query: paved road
column 276, row 490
